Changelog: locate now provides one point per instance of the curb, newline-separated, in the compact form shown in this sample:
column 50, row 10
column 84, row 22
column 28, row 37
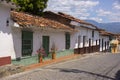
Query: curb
column 53, row 61
column 30, row 68
column 59, row 60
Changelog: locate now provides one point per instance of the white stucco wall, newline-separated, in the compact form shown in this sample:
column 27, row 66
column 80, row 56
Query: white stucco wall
column 17, row 42
column 88, row 33
column 105, row 39
column 74, row 40
column 11, row 39
column 6, row 40
column 58, row 38
column 96, row 37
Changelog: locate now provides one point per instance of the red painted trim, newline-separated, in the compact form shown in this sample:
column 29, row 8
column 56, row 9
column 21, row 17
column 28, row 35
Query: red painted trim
column 5, row 60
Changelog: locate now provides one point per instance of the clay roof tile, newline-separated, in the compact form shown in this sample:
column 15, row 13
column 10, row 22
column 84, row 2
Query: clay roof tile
column 24, row 19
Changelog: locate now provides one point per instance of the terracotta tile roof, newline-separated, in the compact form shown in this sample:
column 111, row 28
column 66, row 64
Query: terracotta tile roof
column 75, row 19
column 26, row 20
column 105, row 33
column 118, row 37
column 71, row 18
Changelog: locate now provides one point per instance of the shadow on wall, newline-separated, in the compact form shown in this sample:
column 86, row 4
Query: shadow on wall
column 16, row 35
column 8, row 34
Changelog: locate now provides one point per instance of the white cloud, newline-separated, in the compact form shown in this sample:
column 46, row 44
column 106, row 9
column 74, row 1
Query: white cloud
column 102, row 12
column 110, row 15
column 85, row 9
column 115, row 17
column 96, row 19
column 77, row 8
column 84, row 18
column 71, row 3
column 116, row 5
column 115, row 14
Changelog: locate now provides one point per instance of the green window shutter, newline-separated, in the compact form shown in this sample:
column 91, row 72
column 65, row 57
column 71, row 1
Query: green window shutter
column 84, row 41
column 93, row 32
column 67, row 36
column 27, row 43
column 45, row 41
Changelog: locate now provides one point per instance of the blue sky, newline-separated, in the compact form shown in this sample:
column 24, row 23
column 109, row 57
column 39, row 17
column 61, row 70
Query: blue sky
column 98, row 10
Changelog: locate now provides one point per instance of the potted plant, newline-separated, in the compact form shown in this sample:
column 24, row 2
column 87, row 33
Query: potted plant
column 53, row 51
column 41, row 53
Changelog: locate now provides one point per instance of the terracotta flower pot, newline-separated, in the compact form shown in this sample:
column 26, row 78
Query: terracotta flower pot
column 54, row 55
column 40, row 59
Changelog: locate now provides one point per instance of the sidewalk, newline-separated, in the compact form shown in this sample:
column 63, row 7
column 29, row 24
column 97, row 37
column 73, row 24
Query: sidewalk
column 48, row 62
column 61, row 59
column 35, row 67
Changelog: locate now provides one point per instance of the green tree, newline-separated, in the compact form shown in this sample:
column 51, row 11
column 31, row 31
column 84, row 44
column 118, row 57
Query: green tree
column 32, row 6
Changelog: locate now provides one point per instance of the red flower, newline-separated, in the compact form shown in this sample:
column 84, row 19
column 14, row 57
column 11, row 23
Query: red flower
column 41, row 52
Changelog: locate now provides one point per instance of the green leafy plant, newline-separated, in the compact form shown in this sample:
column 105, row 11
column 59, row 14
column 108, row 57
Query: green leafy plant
column 31, row 6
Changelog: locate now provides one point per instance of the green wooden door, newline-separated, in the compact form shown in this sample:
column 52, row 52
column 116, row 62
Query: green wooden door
column 27, row 43
column 45, row 41
column 67, row 37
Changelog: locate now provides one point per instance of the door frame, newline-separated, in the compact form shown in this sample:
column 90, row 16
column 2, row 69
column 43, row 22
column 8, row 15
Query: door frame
column 67, row 40
column 46, row 40
column 25, row 43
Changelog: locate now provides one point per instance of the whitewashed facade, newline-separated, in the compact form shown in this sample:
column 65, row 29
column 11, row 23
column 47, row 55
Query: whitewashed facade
column 11, row 36
column 55, row 37
column 6, row 37
column 104, row 43
column 89, row 33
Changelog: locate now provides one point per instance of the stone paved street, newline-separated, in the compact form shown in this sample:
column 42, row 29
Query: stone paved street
column 95, row 67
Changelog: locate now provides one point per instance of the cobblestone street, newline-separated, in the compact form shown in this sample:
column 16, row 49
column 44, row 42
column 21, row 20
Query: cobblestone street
column 102, row 66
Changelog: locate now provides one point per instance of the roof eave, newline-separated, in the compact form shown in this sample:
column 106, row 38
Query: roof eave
column 16, row 25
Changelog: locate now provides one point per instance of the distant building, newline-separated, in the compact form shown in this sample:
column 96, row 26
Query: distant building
column 86, row 39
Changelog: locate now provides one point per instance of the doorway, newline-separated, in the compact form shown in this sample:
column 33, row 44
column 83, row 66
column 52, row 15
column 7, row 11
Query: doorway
column 45, row 41
column 27, row 43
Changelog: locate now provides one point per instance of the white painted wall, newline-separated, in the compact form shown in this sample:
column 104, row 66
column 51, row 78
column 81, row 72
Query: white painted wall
column 17, row 42
column 58, row 38
column 85, row 32
column 6, row 40
column 105, row 39
column 96, row 37
column 74, row 40
column 11, row 39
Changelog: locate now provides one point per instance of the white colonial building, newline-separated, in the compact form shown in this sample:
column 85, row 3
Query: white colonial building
column 86, row 38
column 6, row 37
column 23, row 34
column 105, row 40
